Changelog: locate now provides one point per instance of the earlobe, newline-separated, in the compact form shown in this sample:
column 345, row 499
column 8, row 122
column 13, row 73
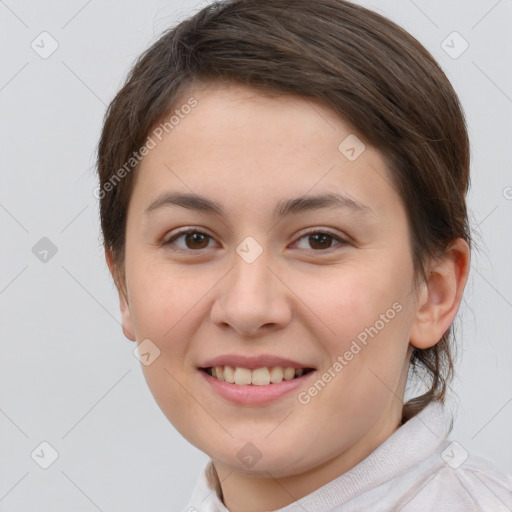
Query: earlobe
column 126, row 320
column 441, row 295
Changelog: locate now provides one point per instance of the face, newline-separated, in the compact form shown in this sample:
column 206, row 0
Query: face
column 255, row 241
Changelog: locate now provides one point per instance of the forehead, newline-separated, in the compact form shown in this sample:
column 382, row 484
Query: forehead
column 244, row 143
column 228, row 112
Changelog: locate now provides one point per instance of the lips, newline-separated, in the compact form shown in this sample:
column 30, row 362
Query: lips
column 254, row 384
column 251, row 363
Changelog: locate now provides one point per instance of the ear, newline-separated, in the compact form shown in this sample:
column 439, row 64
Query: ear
column 440, row 295
column 117, row 275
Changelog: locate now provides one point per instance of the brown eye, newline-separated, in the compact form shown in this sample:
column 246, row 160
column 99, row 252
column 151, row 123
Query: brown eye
column 196, row 240
column 319, row 240
column 190, row 240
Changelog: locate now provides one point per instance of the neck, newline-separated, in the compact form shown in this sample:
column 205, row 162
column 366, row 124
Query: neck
column 243, row 493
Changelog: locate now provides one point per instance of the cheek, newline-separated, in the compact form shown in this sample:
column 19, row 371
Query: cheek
column 161, row 298
column 361, row 320
column 164, row 309
column 348, row 300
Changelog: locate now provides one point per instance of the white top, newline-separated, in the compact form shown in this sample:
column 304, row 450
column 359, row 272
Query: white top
column 417, row 469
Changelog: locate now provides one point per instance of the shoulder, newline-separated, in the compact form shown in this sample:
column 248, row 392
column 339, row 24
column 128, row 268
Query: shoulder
column 487, row 485
column 463, row 483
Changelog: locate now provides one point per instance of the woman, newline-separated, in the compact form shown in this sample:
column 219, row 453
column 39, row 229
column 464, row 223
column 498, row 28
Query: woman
column 282, row 191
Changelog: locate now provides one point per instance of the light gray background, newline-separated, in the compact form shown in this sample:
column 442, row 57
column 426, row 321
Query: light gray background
column 67, row 375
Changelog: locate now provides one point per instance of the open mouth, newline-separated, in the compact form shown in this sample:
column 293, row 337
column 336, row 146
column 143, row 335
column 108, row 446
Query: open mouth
column 255, row 377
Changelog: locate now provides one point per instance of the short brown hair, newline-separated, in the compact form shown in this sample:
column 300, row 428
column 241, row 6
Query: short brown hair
column 370, row 71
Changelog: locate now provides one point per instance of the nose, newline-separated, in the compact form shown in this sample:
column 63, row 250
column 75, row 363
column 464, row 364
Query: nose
column 251, row 299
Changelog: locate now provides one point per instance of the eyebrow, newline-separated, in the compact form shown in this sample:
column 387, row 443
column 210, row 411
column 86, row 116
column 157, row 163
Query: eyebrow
column 292, row 206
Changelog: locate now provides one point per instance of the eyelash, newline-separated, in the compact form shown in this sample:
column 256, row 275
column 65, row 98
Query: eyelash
column 170, row 242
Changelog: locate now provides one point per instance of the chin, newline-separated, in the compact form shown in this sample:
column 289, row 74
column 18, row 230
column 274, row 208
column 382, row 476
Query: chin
column 261, row 460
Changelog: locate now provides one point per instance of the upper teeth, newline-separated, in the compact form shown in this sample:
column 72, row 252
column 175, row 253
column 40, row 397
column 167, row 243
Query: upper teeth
column 258, row 376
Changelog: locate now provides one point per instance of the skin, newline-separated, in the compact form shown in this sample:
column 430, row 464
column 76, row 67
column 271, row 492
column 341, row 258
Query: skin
column 301, row 299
